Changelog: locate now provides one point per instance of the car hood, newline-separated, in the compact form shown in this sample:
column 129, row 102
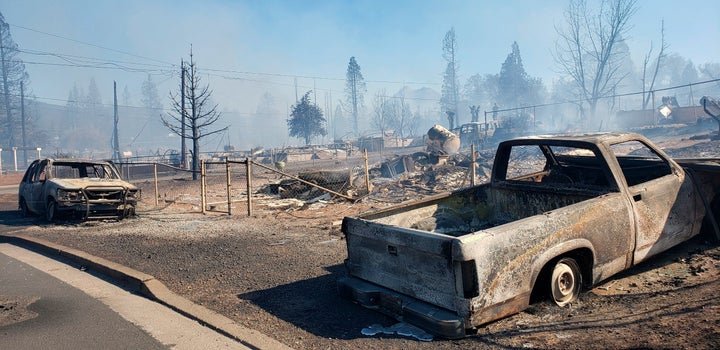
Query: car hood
column 91, row 182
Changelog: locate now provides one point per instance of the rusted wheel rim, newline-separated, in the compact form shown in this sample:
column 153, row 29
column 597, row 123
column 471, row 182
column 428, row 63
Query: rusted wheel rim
column 565, row 282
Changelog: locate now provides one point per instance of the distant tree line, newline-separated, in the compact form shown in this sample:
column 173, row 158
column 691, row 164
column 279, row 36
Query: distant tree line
column 593, row 59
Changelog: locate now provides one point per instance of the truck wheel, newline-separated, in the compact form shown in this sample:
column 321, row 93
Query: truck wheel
column 24, row 211
column 565, row 281
column 51, row 211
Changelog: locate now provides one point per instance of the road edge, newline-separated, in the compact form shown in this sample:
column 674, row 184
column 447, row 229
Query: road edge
column 151, row 288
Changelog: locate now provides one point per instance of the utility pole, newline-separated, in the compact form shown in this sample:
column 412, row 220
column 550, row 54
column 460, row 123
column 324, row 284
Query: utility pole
column 6, row 94
column 183, row 146
column 331, row 112
column 116, row 142
column 22, row 121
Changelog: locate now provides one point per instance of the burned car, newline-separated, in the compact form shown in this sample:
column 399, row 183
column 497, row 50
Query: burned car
column 87, row 189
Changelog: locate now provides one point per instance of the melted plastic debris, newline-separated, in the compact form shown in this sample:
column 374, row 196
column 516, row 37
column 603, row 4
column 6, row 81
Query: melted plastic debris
column 402, row 329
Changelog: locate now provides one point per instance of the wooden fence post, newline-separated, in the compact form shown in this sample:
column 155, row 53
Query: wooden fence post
column 367, row 172
column 156, row 183
column 202, row 186
column 249, row 186
column 472, row 164
column 229, row 187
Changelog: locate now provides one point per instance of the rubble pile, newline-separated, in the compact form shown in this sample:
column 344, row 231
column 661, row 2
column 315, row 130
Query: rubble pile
column 338, row 181
column 423, row 174
column 702, row 149
column 440, row 168
column 400, row 178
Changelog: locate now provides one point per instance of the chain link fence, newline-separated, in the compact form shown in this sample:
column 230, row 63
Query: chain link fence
column 299, row 180
column 293, row 182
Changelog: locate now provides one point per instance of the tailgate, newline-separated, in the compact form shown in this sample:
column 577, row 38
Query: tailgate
column 412, row 262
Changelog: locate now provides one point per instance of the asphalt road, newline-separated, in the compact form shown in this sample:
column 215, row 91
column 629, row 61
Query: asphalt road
column 60, row 316
column 46, row 304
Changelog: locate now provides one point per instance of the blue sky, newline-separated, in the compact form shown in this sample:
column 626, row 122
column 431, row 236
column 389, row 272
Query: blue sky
column 393, row 41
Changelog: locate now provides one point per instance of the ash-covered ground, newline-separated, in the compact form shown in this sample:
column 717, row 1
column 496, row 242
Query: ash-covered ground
column 275, row 272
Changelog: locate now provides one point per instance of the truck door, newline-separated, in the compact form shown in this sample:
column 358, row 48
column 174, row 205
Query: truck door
column 37, row 187
column 661, row 195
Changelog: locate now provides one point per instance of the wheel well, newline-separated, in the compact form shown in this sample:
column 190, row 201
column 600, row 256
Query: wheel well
column 584, row 258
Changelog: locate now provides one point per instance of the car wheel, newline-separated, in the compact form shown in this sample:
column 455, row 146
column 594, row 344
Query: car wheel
column 24, row 211
column 51, row 211
column 565, row 281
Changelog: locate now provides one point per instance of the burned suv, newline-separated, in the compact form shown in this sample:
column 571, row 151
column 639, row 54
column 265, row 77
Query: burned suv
column 87, row 189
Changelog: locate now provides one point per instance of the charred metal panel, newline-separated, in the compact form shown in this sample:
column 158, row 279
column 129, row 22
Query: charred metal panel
column 417, row 264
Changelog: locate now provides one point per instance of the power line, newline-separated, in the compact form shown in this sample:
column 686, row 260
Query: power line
column 70, row 58
column 314, row 77
column 111, row 66
column 173, row 66
column 309, row 87
column 89, row 44
column 95, row 63
column 98, row 104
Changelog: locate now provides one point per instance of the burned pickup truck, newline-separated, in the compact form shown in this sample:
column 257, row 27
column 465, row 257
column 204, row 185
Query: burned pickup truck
column 559, row 213
column 87, row 188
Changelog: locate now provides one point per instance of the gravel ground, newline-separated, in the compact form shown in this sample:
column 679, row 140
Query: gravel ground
column 276, row 273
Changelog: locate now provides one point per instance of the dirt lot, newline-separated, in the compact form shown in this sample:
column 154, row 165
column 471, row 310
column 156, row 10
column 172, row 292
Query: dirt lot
column 276, row 271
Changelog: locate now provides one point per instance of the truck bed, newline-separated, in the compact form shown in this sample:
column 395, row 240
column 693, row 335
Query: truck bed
column 482, row 207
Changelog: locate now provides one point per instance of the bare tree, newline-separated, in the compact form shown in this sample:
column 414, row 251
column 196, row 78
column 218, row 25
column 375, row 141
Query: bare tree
column 587, row 48
column 403, row 115
column 383, row 111
column 203, row 113
column 658, row 63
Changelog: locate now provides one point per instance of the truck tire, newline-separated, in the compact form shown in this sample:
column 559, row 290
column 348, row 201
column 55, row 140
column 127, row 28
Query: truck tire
column 565, row 281
column 51, row 211
column 24, row 210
